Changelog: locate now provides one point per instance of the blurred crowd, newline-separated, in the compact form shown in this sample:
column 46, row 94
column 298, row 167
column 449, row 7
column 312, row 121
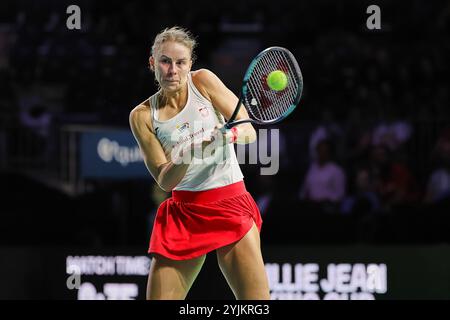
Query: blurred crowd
column 372, row 130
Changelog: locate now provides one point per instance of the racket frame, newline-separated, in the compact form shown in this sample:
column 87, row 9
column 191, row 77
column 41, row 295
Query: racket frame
column 231, row 123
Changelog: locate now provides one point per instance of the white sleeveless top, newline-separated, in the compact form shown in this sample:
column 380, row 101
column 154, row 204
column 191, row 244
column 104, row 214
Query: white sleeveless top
column 196, row 118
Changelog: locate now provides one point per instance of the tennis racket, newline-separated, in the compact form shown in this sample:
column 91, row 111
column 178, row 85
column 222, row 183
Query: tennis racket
column 264, row 105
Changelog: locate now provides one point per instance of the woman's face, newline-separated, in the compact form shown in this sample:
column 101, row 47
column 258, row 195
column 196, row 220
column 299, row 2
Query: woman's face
column 172, row 63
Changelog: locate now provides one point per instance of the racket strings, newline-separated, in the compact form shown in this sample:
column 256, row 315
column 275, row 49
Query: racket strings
column 290, row 91
column 263, row 103
column 260, row 91
column 281, row 100
column 277, row 97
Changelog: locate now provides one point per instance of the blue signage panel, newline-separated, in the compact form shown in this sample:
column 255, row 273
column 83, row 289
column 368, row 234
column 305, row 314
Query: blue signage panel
column 110, row 154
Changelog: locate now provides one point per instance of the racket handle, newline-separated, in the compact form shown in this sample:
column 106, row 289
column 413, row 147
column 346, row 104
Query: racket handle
column 233, row 130
column 228, row 126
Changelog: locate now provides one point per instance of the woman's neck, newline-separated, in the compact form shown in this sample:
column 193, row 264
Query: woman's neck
column 175, row 100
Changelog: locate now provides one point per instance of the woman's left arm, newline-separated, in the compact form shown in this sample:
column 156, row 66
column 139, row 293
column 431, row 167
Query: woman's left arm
column 225, row 101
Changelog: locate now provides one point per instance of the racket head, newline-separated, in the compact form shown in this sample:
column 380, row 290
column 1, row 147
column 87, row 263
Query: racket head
column 264, row 105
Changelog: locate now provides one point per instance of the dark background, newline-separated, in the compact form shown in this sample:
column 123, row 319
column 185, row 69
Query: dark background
column 380, row 98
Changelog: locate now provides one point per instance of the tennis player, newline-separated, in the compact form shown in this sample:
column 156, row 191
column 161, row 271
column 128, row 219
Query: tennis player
column 210, row 208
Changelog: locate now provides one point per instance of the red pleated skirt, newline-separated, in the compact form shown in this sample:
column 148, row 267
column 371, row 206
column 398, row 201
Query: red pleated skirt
column 193, row 223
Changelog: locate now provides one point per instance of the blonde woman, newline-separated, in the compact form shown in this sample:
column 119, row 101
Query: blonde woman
column 210, row 208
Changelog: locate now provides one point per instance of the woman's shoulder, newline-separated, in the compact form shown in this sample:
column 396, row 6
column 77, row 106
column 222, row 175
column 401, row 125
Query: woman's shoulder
column 202, row 74
column 141, row 109
column 205, row 81
column 141, row 113
column 205, row 77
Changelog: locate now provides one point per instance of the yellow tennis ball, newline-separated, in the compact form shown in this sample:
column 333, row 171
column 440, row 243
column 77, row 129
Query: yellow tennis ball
column 277, row 80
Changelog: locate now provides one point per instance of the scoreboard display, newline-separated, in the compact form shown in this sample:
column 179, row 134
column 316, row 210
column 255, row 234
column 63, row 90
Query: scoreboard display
column 294, row 273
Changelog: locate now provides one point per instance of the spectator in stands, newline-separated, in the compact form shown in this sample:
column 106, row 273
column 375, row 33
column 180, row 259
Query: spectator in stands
column 438, row 187
column 328, row 129
column 394, row 182
column 363, row 198
column 37, row 119
column 325, row 179
column 391, row 132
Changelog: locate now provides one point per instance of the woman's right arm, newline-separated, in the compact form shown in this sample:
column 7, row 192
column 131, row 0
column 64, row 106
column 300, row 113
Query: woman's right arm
column 166, row 173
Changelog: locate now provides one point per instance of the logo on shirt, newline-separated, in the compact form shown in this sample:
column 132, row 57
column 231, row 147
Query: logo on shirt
column 204, row 111
column 182, row 127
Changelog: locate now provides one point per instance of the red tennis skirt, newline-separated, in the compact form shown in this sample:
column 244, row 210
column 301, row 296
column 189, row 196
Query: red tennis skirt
column 193, row 223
